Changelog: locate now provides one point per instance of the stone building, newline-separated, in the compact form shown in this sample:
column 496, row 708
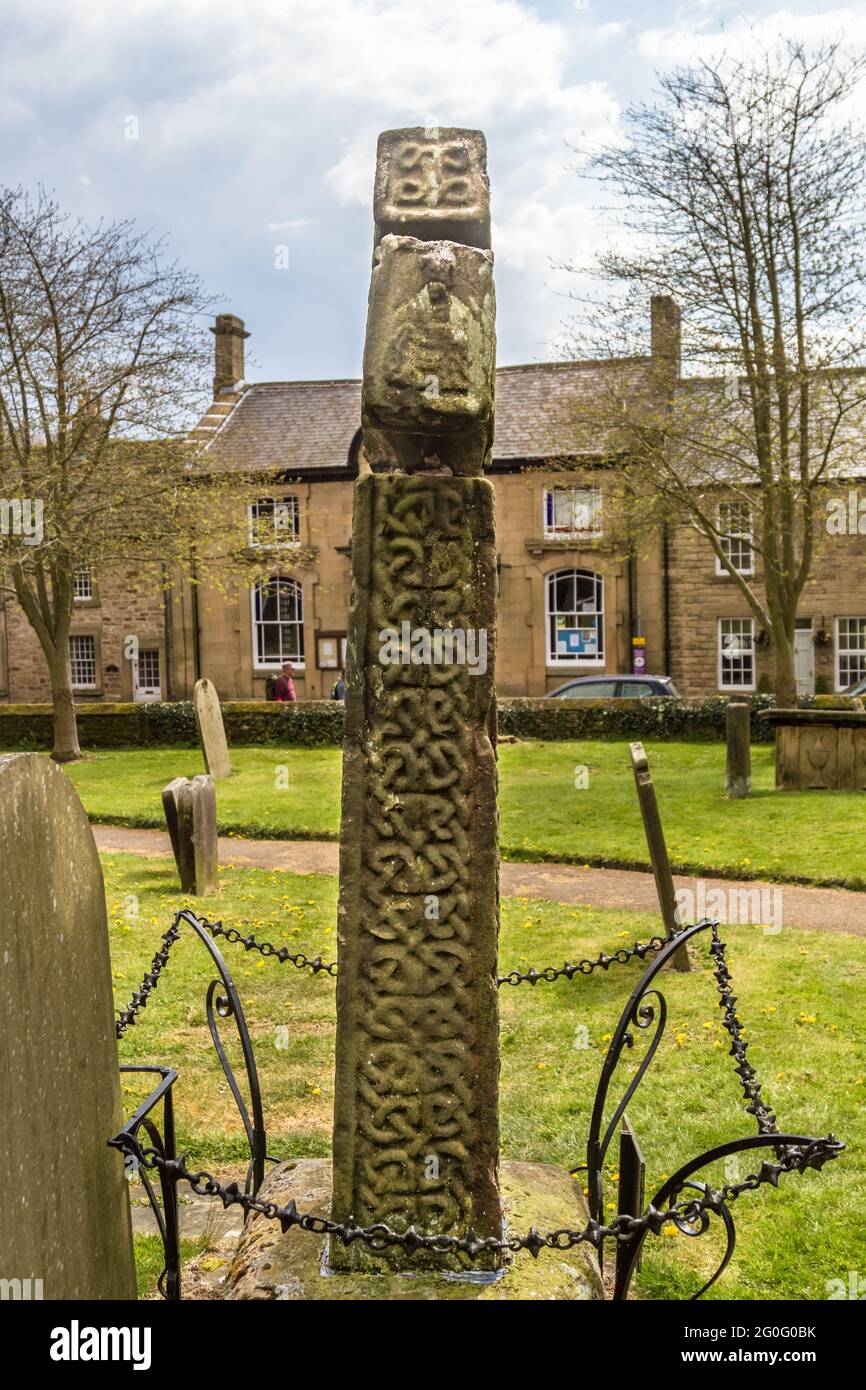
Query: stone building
column 573, row 594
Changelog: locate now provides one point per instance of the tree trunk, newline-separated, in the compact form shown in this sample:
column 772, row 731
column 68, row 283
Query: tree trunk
column 66, row 749
column 785, row 683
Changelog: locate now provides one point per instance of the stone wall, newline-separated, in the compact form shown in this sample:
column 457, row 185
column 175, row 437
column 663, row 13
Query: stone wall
column 699, row 597
column 126, row 601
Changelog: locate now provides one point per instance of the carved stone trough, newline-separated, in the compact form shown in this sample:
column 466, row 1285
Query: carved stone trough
column 819, row 749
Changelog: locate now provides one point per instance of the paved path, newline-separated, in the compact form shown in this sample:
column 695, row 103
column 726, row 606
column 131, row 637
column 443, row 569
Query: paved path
column 819, row 909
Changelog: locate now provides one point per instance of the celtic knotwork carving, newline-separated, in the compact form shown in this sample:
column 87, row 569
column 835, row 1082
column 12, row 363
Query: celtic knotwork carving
column 417, row 1038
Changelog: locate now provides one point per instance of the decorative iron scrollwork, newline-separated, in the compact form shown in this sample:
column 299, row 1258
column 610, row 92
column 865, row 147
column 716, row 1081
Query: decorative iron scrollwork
column 645, row 1012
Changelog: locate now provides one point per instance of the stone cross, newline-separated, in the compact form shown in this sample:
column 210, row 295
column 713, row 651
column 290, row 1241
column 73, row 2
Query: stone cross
column 416, row 1106
column 211, row 730
column 65, row 1222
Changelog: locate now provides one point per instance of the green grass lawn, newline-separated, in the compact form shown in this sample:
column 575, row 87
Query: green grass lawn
column 295, row 793
column 800, row 996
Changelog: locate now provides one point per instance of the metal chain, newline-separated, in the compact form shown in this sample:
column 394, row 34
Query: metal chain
column 583, row 967
column 748, row 1077
column 381, row 1237
column 265, row 948
column 514, row 977
column 138, row 1002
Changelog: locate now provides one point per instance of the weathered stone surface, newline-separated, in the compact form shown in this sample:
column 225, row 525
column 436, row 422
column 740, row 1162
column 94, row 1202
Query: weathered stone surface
column 432, row 182
column 738, row 774
column 416, row 1123
column 197, row 836
column 430, row 357
column 211, row 730
column 65, row 1212
column 819, row 750
column 270, row 1265
column 416, row 1105
column 170, row 794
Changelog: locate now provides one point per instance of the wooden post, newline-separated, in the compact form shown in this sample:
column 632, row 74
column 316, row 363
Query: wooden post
column 655, row 838
column 738, row 779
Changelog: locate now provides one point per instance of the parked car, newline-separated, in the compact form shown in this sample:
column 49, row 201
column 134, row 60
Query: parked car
column 858, row 688
column 615, row 688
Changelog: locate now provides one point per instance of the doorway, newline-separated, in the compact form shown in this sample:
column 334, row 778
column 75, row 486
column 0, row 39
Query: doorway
column 804, row 657
column 146, row 678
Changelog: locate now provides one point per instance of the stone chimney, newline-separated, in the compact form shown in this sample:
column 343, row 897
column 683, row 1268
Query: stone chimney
column 665, row 332
column 229, row 354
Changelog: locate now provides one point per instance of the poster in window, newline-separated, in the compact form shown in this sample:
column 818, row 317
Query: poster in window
column 577, row 641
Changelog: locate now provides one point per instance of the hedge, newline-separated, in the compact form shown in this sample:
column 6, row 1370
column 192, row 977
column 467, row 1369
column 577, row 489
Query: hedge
column 308, row 723
column 316, row 723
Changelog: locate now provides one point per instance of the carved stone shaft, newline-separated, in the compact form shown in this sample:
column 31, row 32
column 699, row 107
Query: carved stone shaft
column 416, row 1123
column 416, row 1106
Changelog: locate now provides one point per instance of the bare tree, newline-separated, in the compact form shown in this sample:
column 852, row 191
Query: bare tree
column 102, row 358
column 741, row 193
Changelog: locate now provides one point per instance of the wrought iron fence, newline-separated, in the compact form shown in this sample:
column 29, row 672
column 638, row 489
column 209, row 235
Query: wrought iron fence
column 646, row 1009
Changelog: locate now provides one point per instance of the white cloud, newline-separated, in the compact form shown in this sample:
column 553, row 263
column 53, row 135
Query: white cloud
column 251, row 114
column 697, row 37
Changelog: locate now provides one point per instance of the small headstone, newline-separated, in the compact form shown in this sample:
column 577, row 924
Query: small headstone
column 738, row 778
column 65, row 1204
column 211, row 730
column 170, row 794
column 197, row 834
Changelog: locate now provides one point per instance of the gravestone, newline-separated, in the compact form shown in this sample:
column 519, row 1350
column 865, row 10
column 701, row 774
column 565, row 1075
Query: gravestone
column 170, row 794
column 416, row 1106
column 211, row 730
column 190, row 814
column 65, row 1205
column 738, row 776
column 658, row 850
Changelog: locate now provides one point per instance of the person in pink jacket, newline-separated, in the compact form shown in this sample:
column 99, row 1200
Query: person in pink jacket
column 284, row 687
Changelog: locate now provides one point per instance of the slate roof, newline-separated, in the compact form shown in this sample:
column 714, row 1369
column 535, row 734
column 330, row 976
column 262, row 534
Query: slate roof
column 306, row 427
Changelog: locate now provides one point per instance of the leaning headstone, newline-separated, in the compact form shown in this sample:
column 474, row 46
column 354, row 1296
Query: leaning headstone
column 416, row 1123
column 190, row 814
column 65, row 1205
column 658, row 850
column 211, row 730
column 738, row 778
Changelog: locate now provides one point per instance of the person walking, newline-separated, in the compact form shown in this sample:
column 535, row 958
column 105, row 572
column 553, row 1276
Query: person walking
column 284, row 688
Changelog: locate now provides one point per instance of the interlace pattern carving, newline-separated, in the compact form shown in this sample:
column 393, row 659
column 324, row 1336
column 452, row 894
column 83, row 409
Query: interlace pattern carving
column 419, row 976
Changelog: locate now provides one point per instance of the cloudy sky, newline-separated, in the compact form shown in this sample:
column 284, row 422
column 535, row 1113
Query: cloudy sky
column 246, row 132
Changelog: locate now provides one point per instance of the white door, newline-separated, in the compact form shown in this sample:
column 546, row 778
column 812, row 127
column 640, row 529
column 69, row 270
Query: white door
column 804, row 668
column 146, row 683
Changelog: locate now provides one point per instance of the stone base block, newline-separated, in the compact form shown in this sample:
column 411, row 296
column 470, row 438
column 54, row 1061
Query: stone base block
column 270, row 1265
